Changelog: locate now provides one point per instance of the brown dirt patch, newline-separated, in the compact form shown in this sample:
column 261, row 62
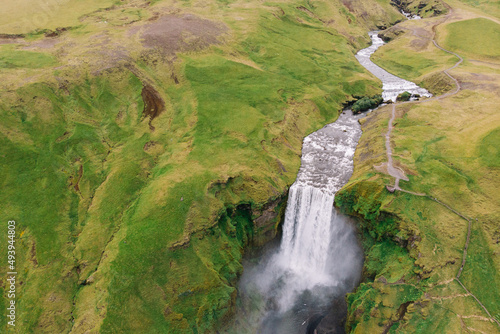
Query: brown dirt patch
column 173, row 33
column 153, row 103
column 475, row 86
column 422, row 33
column 478, row 81
column 12, row 39
column 104, row 53
column 12, row 36
column 33, row 254
column 382, row 168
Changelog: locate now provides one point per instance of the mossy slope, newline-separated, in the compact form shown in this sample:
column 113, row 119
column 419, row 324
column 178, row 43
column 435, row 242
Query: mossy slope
column 134, row 224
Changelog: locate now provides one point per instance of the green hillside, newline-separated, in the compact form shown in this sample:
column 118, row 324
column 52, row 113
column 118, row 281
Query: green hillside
column 146, row 144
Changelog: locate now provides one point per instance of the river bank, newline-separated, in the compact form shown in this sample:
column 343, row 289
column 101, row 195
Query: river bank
column 415, row 246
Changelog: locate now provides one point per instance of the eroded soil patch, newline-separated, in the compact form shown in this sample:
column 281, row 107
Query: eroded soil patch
column 172, row 33
column 153, row 103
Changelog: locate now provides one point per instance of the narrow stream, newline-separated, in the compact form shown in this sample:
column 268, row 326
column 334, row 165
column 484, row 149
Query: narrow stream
column 410, row 16
column 392, row 85
column 299, row 286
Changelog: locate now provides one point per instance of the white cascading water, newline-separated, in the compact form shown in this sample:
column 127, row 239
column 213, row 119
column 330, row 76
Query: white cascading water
column 313, row 230
column 319, row 259
column 410, row 16
column 304, row 247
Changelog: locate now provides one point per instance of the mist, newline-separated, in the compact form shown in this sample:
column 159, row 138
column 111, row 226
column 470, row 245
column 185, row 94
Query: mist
column 293, row 285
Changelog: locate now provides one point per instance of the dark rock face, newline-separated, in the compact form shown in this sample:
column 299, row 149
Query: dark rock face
column 424, row 8
column 390, row 34
column 266, row 220
column 266, row 215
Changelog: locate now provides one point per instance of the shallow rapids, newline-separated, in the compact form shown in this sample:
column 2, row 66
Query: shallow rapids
column 392, row 85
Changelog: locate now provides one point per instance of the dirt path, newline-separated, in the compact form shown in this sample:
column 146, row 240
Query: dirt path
column 398, row 174
column 457, row 84
column 394, row 172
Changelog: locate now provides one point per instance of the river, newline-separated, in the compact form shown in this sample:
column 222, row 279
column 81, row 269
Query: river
column 300, row 283
column 392, row 85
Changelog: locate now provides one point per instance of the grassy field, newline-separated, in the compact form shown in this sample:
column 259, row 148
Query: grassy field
column 25, row 16
column 11, row 58
column 137, row 225
column 475, row 38
column 446, row 148
column 488, row 7
column 413, row 56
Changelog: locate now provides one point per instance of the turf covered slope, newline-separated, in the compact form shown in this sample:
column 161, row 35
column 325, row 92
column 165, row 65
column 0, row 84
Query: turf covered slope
column 145, row 144
column 448, row 148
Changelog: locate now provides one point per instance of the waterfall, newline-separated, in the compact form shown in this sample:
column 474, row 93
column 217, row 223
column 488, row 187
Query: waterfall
column 318, row 249
column 319, row 253
column 319, row 259
column 307, row 231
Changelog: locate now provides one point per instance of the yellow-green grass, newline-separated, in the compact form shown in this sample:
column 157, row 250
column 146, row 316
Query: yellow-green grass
column 12, row 58
column 414, row 57
column 446, row 149
column 489, row 149
column 25, row 16
column 489, row 7
column 475, row 38
column 133, row 230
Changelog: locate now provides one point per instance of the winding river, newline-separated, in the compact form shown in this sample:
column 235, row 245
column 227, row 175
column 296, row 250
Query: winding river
column 392, row 85
column 299, row 286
